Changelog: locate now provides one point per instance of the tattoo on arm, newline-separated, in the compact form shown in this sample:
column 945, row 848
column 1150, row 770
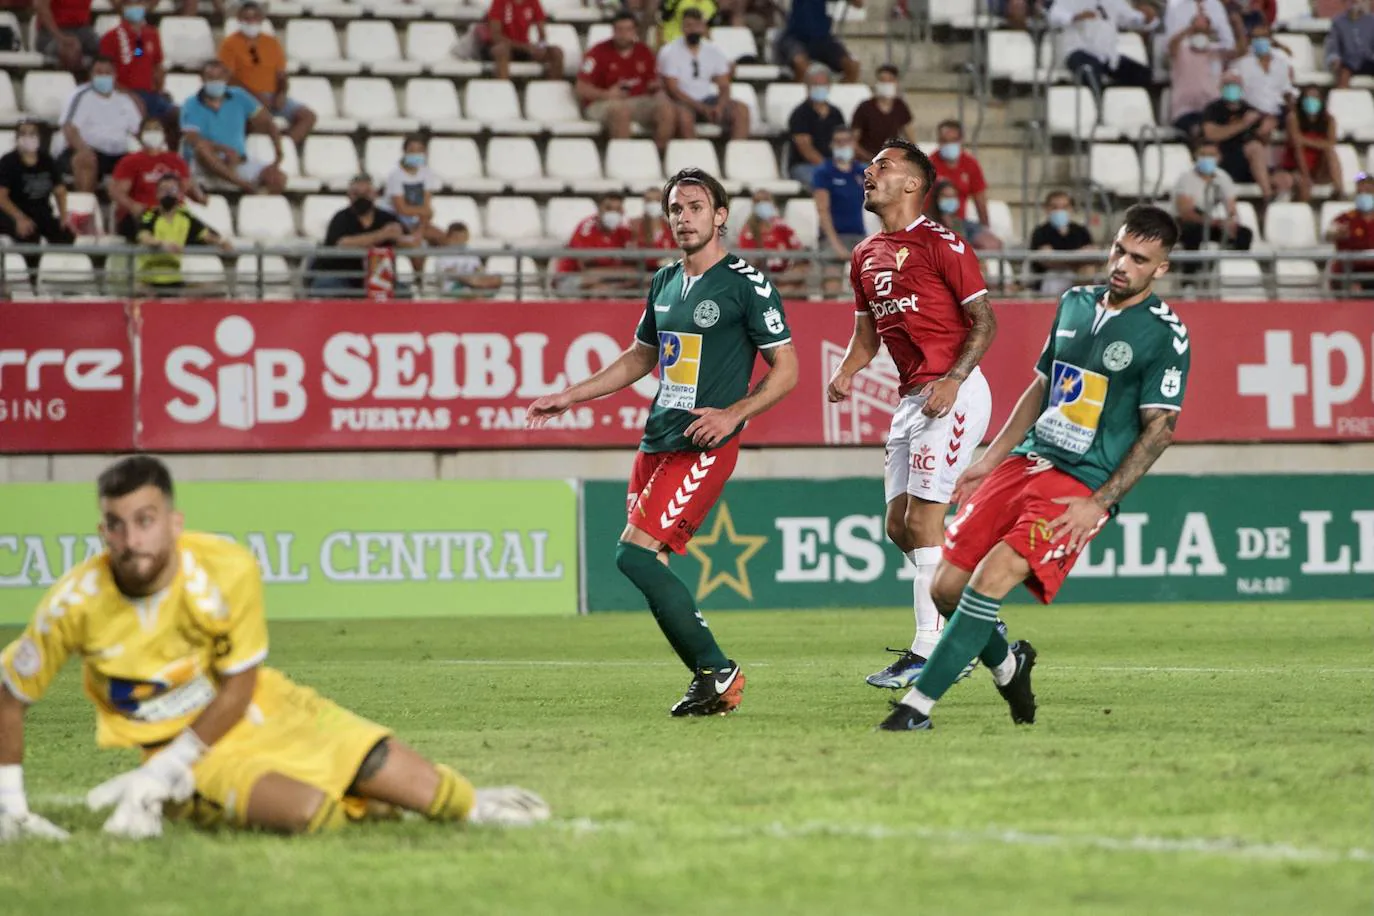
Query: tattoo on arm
column 979, row 338
column 1156, row 434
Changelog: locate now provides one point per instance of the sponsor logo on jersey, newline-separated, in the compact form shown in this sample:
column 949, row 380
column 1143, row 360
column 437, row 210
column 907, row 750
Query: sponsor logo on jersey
column 1172, row 382
column 1076, row 399
column 178, row 690
column 1117, row 356
column 679, row 369
column 923, row 459
column 706, row 314
column 884, row 307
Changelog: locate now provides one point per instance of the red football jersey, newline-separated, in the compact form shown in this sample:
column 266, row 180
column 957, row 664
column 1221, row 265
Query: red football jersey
column 965, row 174
column 604, row 67
column 777, row 236
column 591, row 234
column 915, row 283
column 1361, row 231
column 143, row 169
column 516, row 18
column 71, row 14
column 136, row 52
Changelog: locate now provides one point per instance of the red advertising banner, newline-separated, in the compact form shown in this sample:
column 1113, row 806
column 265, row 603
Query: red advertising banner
column 66, row 377
column 228, row 376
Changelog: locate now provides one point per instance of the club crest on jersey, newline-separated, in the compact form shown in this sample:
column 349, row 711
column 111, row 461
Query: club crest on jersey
column 902, row 255
column 772, row 320
column 706, row 313
column 1171, row 383
column 1117, row 356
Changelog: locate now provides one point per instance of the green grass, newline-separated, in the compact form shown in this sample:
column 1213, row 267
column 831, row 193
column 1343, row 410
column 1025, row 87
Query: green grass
column 1227, row 748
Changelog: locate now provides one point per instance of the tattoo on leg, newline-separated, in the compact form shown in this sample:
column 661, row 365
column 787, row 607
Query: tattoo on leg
column 373, row 762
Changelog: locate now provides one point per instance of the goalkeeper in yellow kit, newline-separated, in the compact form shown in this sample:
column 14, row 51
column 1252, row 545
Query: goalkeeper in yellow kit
column 170, row 628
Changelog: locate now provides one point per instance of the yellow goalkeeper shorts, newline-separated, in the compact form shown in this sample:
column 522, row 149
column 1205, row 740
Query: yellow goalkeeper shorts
column 288, row 729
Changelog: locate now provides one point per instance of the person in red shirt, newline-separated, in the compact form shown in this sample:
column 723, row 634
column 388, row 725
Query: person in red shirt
column 133, row 187
column 766, row 231
column 65, row 36
column 1353, row 230
column 618, row 85
column 605, row 229
column 136, row 49
column 651, row 230
column 506, row 36
column 945, row 401
column 959, row 168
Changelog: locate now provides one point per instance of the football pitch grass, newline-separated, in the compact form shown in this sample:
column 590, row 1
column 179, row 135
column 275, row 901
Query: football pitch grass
column 1187, row 759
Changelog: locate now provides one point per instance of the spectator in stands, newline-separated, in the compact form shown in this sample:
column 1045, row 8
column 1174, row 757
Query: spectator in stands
column 1243, row 134
column 1349, row 45
column 1059, row 232
column 1353, row 230
column 409, row 190
column 97, row 123
column 696, row 75
column 672, row 12
column 1208, row 18
column 1311, row 152
column 959, row 167
column 765, row 231
column 65, row 36
column 812, row 124
column 605, row 229
column 361, row 225
column 809, row 35
column 1088, row 40
column 256, row 62
column 651, row 230
column 29, row 182
column 462, row 274
column 1015, row 12
column 1266, row 75
column 883, row 116
column 214, row 130
column 618, row 85
column 1197, row 194
column 167, row 230
column 838, row 188
column 949, row 211
column 506, row 37
column 1248, row 15
column 134, row 184
column 136, row 49
column 1197, row 54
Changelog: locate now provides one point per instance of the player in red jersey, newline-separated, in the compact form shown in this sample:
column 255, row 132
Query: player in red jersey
column 918, row 288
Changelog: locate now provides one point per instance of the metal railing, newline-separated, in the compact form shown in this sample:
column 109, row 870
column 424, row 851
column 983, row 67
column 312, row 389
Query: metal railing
column 281, row 273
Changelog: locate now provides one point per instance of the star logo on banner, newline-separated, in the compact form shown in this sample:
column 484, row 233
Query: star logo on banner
column 725, row 541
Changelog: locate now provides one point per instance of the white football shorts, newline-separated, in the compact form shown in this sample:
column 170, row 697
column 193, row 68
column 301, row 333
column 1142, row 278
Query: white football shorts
column 926, row 455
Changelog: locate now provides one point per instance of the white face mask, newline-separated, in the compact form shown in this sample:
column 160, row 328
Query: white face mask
column 27, row 144
column 154, row 139
column 251, row 29
column 611, row 220
column 1200, row 42
column 885, row 90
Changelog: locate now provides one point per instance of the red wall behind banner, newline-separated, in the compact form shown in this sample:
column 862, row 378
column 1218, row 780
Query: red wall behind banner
column 66, row 377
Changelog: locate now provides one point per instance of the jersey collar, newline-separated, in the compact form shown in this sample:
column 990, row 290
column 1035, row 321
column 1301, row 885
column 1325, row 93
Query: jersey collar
column 920, row 219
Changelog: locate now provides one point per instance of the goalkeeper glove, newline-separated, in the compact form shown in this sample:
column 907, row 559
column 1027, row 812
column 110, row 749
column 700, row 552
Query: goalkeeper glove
column 507, row 806
column 138, row 796
column 16, row 820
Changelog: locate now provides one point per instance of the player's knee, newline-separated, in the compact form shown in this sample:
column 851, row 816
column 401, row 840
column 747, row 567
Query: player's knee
column 896, row 531
column 454, row 797
column 322, row 816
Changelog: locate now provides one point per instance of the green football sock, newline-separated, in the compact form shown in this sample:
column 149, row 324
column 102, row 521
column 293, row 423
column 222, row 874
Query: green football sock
column 673, row 606
column 969, row 633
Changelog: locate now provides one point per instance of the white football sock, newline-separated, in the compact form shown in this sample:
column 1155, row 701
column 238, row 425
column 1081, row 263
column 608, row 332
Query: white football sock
column 929, row 623
column 1003, row 673
column 918, row 701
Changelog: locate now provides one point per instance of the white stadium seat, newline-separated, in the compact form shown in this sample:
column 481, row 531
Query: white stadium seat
column 754, row 164
column 800, row 214
column 1241, row 279
column 633, row 162
column 371, row 100
column 276, row 277
column 515, row 162
column 575, row 162
column 598, row 32
column 1116, row 167
column 10, row 112
column 848, row 96
column 186, row 41
column 316, row 212
column 214, row 213
column 433, row 102
column 381, row 154
column 202, row 270
column 748, row 95
column 564, row 36
column 1127, row 111
column 458, row 162
column 316, row 93
column 314, row 45
column 1295, row 279
column 374, row 44
column 459, row 210
column 266, row 218
column 515, row 221
column 572, row 11
column 46, row 92
column 495, row 104
column 1132, row 45
column 1072, row 111
column 181, row 86
column 553, row 105
column 564, row 214
column 1011, row 55
column 682, row 154
column 1353, row 110
column 231, row 25
column 1290, row 225
column 260, row 148
column 780, row 100
column 87, row 206
column 999, row 218
column 1330, row 210
column 432, row 44
column 1306, row 70
column 331, row 160
column 1162, row 165
column 522, row 279
column 1350, row 166
column 64, row 270
column 735, row 41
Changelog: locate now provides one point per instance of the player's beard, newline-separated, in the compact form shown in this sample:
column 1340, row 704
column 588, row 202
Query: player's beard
column 699, row 241
column 131, row 580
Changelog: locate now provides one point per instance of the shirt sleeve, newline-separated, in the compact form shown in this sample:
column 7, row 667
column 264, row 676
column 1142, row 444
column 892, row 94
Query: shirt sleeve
column 1041, row 236
column 29, row 664
column 237, row 622
column 335, row 232
column 188, row 118
column 1166, row 379
column 959, row 268
column 856, row 284
column 7, row 172
column 767, row 324
column 196, row 235
column 646, row 332
column 537, row 13
column 977, row 184
column 1045, row 363
column 149, row 220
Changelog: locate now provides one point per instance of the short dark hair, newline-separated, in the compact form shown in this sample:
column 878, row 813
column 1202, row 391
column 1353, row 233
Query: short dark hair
column 692, row 13
column 952, row 124
column 457, row 227
column 610, row 195
column 622, row 15
column 890, row 68
column 249, row 6
column 102, row 59
column 414, row 138
column 1152, row 224
column 1057, row 193
column 135, row 472
column 912, row 153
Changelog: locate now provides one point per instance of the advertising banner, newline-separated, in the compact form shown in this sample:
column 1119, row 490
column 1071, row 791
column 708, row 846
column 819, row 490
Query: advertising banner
column 66, row 377
column 821, row 543
column 331, row 550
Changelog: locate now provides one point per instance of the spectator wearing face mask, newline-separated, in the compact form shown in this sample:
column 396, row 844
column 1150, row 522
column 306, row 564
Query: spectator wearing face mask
column 1059, row 232
column 1349, row 47
column 949, row 211
column 1311, row 152
column 1266, row 75
column 957, row 166
column 882, row 116
column 1197, row 194
column 765, row 231
column 362, row 225
column 97, row 123
column 409, row 191
column 30, row 182
column 651, row 230
column 1198, row 49
column 461, row 274
column 214, row 130
column 133, row 186
column 696, row 75
column 256, row 62
column 812, row 125
column 136, row 49
column 1088, row 32
column 838, row 188
column 1242, row 134
column 167, row 230
column 1353, row 230
column 604, row 230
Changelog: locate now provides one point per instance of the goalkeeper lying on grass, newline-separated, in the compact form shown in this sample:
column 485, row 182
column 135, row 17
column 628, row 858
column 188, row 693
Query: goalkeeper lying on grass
column 171, row 631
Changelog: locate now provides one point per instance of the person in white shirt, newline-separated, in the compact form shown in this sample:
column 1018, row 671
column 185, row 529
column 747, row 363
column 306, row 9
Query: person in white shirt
column 97, row 124
column 409, row 192
column 1266, row 74
column 1088, row 32
column 1181, row 16
column 462, row 274
column 696, row 74
column 1198, row 194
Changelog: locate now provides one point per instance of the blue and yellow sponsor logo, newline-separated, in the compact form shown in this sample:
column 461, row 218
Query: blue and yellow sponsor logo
column 1078, row 394
column 127, row 695
column 679, row 357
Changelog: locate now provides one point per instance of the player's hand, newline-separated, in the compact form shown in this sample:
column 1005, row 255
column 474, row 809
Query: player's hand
column 507, row 806
column 545, row 408
column 940, row 396
column 29, row 826
column 970, row 480
column 841, row 384
column 711, row 426
column 1080, row 519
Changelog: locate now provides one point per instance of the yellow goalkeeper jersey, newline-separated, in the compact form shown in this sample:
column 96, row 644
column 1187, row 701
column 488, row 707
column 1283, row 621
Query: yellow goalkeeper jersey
column 151, row 664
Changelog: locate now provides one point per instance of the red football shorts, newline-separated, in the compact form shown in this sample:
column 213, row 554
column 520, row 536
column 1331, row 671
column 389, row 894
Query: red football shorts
column 1014, row 505
column 671, row 493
